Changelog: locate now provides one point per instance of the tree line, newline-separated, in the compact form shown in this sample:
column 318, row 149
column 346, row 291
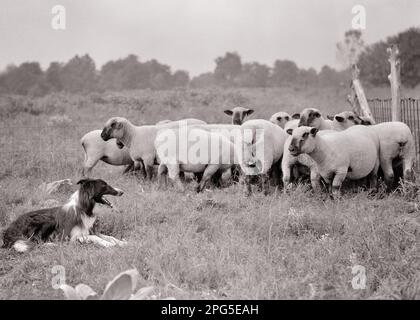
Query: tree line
column 80, row 75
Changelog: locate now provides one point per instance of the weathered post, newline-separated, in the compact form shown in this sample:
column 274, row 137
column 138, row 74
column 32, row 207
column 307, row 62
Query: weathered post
column 360, row 94
column 395, row 81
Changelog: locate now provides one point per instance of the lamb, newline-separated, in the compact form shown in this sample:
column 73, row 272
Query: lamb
column 193, row 150
column 346, row 119
column 139, row 139
column 260, row 148
column 353, row 153
column 312, row 117
column 238, row 114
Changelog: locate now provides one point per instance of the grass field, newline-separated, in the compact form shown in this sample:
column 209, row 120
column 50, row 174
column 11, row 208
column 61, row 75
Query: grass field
column 218, row 244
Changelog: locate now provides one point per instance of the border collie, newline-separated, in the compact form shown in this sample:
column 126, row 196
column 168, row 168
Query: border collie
column 72, row 221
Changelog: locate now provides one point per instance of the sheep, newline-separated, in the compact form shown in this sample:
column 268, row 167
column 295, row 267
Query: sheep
column 238, row 114
column 260, row 148
column 395, row 142
column 298, row 163
column 346, row 119
column 194, row 150
column 96, row 149
column 312, row 117
column 352, row 153
column 139, row 139
column 280, row 118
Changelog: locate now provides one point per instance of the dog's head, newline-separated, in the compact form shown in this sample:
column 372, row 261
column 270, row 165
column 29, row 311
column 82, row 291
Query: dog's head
column 96, row 189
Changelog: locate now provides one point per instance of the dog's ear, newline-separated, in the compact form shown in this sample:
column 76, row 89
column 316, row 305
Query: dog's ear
column 82, row 181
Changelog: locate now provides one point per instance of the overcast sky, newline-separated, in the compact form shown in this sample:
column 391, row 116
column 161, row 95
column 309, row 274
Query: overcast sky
column 190, row 34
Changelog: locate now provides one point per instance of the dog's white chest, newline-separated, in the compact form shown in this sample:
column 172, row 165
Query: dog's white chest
column 83, row 230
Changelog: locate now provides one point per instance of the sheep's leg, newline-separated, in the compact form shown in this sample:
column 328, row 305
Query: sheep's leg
column 373, row 179
column 210, row 170
column 275, row 173
column 198, row 176
column 248, row 180
column 129, row 168
column 88, row 166
column 386, row 165
column 408, row 169
column 285, row 168
column 162, row 175
column 235, row 173
column 149, row 173
column 265, row 183
column 315, row 179
column 337, row 182
column 173, row 171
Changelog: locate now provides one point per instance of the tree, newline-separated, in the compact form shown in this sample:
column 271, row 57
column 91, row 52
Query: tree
column 374, row 65
column 349, row 50
column 181, row 78
column 79, row 74
column 254, row 75
column 53, row 76
column 285, row 72
column 228, row 68
column 22, row 79
column 203, row 80
column 308, row 77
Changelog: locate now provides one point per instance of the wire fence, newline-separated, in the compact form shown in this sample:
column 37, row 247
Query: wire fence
column 410, row 115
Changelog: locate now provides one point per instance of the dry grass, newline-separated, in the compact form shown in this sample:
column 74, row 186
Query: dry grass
column 218, row 244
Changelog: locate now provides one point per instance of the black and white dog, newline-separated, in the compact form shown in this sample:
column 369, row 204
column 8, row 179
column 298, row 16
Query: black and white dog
column 72, row 221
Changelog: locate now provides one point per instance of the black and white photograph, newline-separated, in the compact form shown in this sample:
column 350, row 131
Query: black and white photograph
column 225, row 151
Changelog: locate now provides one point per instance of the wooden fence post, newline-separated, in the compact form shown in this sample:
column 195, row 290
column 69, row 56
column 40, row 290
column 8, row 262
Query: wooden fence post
column 395, row 81
column 360, row 94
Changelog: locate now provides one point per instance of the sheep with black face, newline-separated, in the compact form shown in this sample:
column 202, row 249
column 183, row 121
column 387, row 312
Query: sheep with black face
column 238, row 114
column 312, row 117
column 353, row 153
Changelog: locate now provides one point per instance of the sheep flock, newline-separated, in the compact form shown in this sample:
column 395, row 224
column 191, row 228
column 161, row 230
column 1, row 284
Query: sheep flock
column 258, row 153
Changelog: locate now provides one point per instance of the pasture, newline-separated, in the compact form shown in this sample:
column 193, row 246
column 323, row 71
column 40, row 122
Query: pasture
column 214, row 245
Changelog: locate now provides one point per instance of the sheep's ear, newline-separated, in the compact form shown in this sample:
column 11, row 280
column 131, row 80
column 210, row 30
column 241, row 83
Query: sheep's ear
column 313, row 131
column 249, row 112
column 228, row 112
column 330, row 117
column 289, row 131
column 339, row 118
column 296, row 116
